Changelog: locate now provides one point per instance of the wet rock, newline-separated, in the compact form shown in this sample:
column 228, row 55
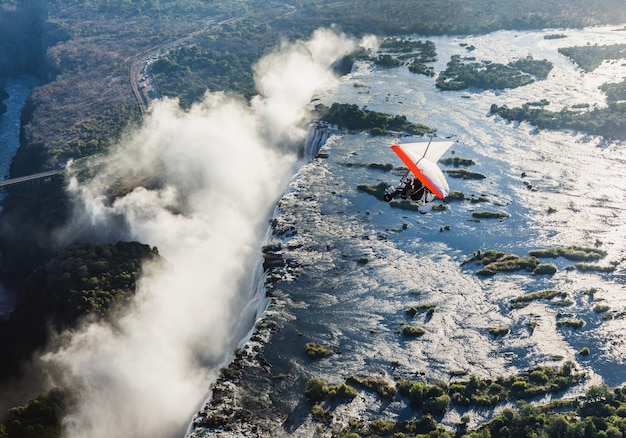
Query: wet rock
column 273, row 260
column 343, row 65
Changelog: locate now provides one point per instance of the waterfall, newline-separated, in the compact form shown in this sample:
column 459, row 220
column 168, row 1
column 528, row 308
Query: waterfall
column 316, row 136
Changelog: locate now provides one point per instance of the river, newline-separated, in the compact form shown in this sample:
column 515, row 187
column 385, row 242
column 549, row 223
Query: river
column 361, row 263
column 17, row 88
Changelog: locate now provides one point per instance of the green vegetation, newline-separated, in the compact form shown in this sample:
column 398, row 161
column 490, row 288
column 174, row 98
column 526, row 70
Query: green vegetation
column 606, row 121
column 572, row 323
column 410, row 331
column 418, row 54
column 459, row 75
column 425, row 51
column 484, row 257
column 348, row 116
column 317, row 351
column 378, row 190
column 457, row 161
column 190, row 72
column 497, row 261
column 569, row 252
column 474, row 391
column 380, row 386
column 419, row 308
column 420, row 67
column 464, row 174
column 39, row 418
column 362, row 260
column 425, row 427
column 99, row 133
column 536, row 381
column 615, row 92
column 89, row 279
column 321, row 415
column 601, row 121
column 498, row 331
column 523, row 300
column 318, row 390
column 590, row 57
column 376, row 166
column 598, row 414
column 538, row 68
column 388, row 61
column 586, row 267
column 545, row 269
column 601, row 308
column 489, row 214
column 455, row 195
column 435, row 399
column 554, row 36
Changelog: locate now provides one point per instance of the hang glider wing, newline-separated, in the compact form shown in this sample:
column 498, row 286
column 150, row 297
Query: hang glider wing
column 421, row 159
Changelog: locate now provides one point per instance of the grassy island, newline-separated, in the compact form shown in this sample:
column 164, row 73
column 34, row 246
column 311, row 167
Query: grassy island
column 497, row 261
column 400, row 51
column 350, row 116
column 460, row 75
column 606, row 121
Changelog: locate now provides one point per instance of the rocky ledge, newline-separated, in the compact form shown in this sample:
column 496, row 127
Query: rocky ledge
column 242, row 400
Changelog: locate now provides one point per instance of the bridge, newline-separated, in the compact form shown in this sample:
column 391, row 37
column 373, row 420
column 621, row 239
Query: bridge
column 35, row 176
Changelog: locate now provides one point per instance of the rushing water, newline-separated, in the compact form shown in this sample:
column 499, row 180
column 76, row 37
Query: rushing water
column 18, row 89
column 362, row 262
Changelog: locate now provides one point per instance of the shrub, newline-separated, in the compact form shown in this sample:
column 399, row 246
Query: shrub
column 316, row 351
column 573, row 323
column 382, row 427
column 489, row 215
column 418, row 308
column 538, row 376
column 601, row 308
column 380, row 386
column 541, row 295
column 416, row 393
column 322, row 415
column 316, row 390
column 412, row 331
column 343, row 391
column 519, row 387
column 545, row 269
column 437, row 405
column 40, row 417
column 577, row 253
column 498, row 331
column 586, row 267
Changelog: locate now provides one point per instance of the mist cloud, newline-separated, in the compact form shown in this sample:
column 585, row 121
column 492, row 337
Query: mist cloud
column 221, row 166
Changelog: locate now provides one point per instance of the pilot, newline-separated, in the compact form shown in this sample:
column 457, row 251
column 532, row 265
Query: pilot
column 408, row 188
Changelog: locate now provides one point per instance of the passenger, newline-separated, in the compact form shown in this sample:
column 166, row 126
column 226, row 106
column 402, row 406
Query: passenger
column 409, row 187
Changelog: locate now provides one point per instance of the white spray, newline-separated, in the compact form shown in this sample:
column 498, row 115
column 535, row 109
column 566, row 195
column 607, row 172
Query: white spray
column 222, row 165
